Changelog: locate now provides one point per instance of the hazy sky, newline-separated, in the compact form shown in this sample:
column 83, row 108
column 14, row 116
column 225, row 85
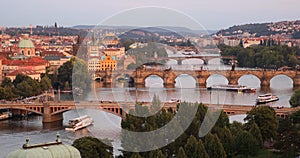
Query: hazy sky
column 212, row 14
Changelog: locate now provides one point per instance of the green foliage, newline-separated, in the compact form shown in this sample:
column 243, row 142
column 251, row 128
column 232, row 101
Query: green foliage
column 195, row 148
column 181, row 153
column 73, row 73
column 45, row 83
column 226, row 139
column 266, row 120
column 147, row 52
column 295, row 99
column 263, row 56
column 90, row 147
column 246, row 144
column 213, row 146
column 255, row 131
column 288, row 140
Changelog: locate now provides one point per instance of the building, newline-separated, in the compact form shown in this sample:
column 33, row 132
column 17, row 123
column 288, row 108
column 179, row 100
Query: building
column 48, row 150
column 93, row 64
column 32, row 74
column 31, row 64
column 115, row 52
column 110, row 40
column 108, row 63
column 26, row 47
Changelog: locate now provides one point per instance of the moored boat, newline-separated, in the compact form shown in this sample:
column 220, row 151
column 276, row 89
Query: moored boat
column 5, row 115
column 79, row 123
column 266, row 98
column 234, row 88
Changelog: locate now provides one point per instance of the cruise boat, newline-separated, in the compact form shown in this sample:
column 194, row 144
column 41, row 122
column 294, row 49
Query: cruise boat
column 266, row 98
column 5, row 115
column 79, row 123
column 234, row 88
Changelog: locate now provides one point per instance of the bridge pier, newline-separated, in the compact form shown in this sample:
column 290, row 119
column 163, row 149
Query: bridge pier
column 296, row 80
column 51, row 120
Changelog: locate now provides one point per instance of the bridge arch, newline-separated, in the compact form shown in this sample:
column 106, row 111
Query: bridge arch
column 158, row 81
column 195, row 61
column 280, row 79
column 214, row 79
column 185, row 78
column 249, row 80
column 38, row 110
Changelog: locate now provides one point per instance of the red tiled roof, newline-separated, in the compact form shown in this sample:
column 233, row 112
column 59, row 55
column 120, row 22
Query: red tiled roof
column 26, row 72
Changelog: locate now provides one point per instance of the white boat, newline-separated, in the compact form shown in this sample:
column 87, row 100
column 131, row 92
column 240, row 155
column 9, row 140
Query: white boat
column 235, row 88
column 79, row 123
column 5, row 115
column 266, row 98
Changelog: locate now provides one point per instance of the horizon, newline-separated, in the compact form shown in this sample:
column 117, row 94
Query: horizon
column 213, row 15
column 104, row 25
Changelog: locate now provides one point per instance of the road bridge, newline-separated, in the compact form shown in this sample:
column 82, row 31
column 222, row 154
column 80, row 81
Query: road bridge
column 53, row 111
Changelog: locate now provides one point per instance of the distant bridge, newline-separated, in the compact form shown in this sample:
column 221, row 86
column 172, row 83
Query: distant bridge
column 169, row 76
column 179, row 58
column 52, row 111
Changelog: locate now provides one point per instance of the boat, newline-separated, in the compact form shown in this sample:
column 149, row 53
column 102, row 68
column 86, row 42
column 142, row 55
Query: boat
column 266, row 98
column 234, row 88
column 79, row 123
column 5, row 115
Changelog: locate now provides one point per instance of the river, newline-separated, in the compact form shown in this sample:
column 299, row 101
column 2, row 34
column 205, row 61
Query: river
column 13, row 132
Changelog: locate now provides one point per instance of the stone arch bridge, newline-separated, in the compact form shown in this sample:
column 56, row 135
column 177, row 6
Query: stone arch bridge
column 169, row 76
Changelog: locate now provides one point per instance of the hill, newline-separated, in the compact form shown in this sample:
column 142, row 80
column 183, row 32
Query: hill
column 286, row 28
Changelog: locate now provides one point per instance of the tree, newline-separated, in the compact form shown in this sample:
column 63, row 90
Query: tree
column 288, row 140
column 246, row 144
column 135, row 155
column 266, row 120
column 155, row 105
column 181, row 153
column 90, row 147
column 255, row 131
column 295, row 99
column 195, row 149
column 6, row 82
column 74, row 73
column 213, row 146
column 226, row 139
column 45, row 83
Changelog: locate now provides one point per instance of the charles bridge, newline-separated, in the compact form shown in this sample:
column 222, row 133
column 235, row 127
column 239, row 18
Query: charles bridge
column 169, row 76
column 52, row 111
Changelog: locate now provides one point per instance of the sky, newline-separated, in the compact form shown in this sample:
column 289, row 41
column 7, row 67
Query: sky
column 211, row 14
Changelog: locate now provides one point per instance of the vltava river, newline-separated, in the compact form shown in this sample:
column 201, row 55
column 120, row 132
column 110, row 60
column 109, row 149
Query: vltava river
column 14, row 132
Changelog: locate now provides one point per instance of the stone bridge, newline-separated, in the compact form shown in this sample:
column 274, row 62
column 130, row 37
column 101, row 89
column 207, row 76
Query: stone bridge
column 52, row 112
column 179, row 59
column 169, row 76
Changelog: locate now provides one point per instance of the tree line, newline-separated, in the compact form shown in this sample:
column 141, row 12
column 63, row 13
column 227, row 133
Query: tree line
column 226, row 139
column 23, row 87
column 263, row 56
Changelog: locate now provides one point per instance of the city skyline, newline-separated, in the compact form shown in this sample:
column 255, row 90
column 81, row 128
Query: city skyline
column 207, row 13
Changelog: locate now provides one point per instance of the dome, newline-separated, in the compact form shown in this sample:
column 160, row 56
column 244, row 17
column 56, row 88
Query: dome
column 25, row 43
column 52, row 151
column 49, row 150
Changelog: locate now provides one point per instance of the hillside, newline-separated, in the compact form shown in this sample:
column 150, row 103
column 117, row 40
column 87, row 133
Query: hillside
column 286, row 28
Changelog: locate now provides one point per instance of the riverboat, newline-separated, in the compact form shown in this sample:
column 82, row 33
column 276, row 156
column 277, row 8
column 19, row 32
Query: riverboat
column 79, row 123
column 234, row 88
column 5, row 115
column 266, row 98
